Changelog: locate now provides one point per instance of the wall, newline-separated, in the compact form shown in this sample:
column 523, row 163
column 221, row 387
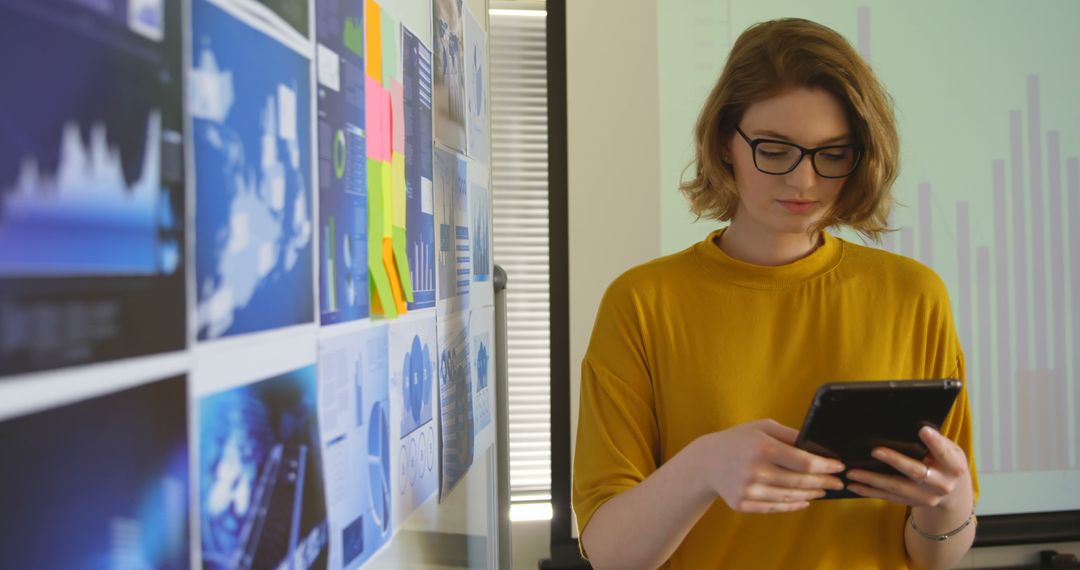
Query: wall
column 287, row 54
column 613, row 132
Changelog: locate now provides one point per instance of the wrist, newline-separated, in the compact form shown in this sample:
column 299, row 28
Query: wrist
column 945, row 535
column 696, row 456
column 950, row 513
column 960, row 500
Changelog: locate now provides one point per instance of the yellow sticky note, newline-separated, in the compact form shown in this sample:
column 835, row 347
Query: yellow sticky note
column 397, row 168
column 387, row 201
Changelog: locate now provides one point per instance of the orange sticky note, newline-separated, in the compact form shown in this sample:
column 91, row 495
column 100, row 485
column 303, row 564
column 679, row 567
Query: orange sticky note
column 373, row 40
column 395, row 280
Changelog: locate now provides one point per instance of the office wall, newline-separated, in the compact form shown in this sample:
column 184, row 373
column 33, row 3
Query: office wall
column 613, row 133
column 193, row 197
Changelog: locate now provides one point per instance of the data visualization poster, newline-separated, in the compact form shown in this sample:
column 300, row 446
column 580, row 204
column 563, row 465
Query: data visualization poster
column 354, row 417
column 413, row 385
column 253, row 216
column 262, row 499
column 482, row 289
column 420, row 215
column 101, row 483
column 91, row 184
column 456, row 432
column 342, row 170
column 454, row 261
column 476, row 78
column 482, row 368
column 449, row 84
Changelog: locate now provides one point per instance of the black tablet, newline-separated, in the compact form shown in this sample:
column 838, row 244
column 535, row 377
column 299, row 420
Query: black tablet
column 847, row 420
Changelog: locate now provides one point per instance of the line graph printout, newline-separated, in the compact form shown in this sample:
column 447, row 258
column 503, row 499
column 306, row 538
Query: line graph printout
column 91, row 183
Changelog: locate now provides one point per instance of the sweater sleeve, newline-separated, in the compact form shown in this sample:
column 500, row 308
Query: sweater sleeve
column 945, row 359
column 617, row 435
column 958, row 425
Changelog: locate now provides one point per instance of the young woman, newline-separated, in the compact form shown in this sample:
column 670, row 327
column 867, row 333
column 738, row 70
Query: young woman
column 701, row 362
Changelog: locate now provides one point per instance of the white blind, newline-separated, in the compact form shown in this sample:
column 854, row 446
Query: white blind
column 519, row 168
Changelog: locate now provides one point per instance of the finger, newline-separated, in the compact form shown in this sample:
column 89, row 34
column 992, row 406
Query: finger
column 780, row 431
column 947, row 455
column 803, row 461
column 769, row 493
column 875, row 493
column 893, row 485
column 751, row 506
column 912, row 468
column 779, row 477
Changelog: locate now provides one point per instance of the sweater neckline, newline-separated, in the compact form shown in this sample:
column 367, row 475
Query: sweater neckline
column 717, row 262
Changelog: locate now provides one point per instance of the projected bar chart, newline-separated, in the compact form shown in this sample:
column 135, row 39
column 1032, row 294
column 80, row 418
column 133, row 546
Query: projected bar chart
column 1011, row 308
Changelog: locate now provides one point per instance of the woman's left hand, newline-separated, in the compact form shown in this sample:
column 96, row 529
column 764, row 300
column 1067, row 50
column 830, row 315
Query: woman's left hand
column 942, row 477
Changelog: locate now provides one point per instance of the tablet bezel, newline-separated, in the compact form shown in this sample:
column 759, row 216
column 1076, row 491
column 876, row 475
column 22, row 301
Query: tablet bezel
column 906, row 405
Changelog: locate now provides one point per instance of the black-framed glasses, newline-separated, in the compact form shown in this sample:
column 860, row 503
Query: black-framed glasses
column 780, row 157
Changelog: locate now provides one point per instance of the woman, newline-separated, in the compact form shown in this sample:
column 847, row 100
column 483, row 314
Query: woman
column 700, row 362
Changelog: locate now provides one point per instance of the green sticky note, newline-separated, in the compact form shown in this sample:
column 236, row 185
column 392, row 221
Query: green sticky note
column 380, row 279
column 390, row 53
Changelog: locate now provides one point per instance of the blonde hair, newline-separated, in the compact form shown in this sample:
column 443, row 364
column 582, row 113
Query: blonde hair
column 768, row 59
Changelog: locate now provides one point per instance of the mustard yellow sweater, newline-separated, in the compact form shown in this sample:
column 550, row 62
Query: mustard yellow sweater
column 698, row 342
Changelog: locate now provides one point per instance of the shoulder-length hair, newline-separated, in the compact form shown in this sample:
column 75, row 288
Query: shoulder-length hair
column 768, row 59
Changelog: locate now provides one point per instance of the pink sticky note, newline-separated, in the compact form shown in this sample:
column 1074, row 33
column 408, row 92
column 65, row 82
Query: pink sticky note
column 397, row 102
column 377, row 114
column 388, row 126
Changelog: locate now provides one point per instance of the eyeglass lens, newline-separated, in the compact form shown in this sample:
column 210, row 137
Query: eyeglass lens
column 780, row 158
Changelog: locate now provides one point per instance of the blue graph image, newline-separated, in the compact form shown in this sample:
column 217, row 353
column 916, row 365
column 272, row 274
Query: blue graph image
column 343, row 275
column 477, row 105
column 354, row 373
column 420, row 211
column 417, row 380
column 482, row 364
column 85, row 218
column 261, row 498
column 452, row 216
column 476, row 80
column 482, row 325
column 372, row 527
column 457, row 434
column 79, row 476
column 92, row 201
column 414, row 456
column 449, row 73
column 482, row 399
column 253, row 254
column 481, row 233
column 378, row 461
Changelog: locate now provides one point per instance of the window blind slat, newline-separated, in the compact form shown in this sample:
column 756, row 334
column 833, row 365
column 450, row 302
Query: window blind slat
column 519, row 170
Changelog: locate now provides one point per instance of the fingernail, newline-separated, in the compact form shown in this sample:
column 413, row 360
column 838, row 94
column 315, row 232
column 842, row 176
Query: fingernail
column 837, row 466
column 878, row 454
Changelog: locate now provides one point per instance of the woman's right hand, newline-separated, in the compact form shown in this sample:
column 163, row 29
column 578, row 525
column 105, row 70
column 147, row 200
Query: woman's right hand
column 755, row 468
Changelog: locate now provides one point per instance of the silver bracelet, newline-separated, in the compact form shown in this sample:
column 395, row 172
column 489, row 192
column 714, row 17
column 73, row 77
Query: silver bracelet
column 947, row 535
